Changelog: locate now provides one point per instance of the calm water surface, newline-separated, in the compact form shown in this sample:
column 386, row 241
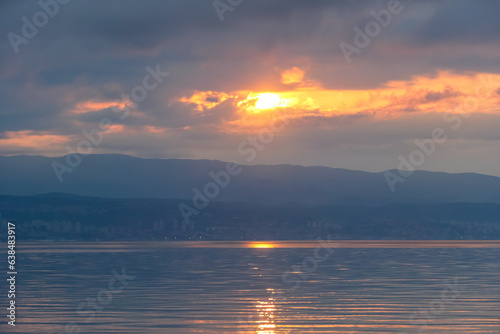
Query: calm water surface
column 262, row 288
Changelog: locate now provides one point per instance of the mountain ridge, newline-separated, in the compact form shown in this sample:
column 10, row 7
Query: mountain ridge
column 123, row 176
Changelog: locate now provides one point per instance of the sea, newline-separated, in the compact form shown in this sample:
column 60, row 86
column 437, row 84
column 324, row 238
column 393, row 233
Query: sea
column 260, row 287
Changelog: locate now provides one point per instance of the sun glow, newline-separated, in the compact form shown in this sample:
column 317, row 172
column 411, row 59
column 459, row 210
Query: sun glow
column 269, row 101
column 252, row 110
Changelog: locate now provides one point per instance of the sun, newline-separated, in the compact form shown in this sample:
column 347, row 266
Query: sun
column 255, row 103
column 268, row 101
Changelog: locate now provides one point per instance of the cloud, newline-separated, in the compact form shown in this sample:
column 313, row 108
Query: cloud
column 426, row 61
column 292, row 75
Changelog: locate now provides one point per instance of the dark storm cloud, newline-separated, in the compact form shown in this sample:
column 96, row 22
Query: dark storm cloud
column 436, row 96
column 113, row 40
column 462, row 21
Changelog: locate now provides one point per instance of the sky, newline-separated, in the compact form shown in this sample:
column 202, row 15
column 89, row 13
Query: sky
column 348, row 84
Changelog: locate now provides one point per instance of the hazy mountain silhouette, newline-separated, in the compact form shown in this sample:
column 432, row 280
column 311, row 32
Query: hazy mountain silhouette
column 121, row 176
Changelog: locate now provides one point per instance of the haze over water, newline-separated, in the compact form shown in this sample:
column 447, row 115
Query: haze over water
column 220, row 288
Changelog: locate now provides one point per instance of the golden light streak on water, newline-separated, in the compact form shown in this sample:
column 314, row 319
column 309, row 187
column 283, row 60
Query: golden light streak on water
column 266, row 311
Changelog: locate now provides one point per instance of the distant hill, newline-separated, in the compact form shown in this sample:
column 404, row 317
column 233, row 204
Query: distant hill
column 121, row 176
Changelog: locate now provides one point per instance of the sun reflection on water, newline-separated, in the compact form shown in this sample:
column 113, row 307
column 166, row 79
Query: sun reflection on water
column 261, row 245
column 266, row 311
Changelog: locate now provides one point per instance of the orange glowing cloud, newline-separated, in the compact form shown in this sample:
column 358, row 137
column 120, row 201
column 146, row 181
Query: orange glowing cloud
column 292, row 76
column 32, row 139
column 424, row 93
column 206, row 100
column 92, row 106
column 143, row 129
column 115, row 128
column 441, row 92
column 154, row 129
